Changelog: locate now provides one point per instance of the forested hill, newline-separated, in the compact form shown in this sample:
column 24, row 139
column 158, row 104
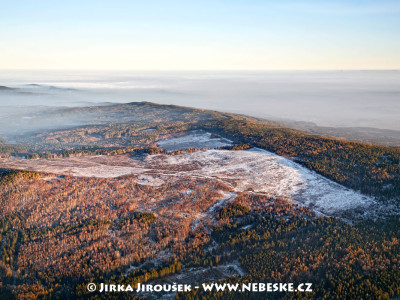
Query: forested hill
column 59, row 232
column 374, row 170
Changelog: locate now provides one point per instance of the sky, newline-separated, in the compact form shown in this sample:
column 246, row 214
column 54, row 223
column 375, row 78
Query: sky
column 199, row 35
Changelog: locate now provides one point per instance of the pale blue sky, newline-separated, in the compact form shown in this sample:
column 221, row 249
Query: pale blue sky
column 198, row 35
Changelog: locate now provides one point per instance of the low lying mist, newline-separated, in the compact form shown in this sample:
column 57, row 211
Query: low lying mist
column 330, row 98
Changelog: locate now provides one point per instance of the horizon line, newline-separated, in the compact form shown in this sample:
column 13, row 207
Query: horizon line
column 200, row 70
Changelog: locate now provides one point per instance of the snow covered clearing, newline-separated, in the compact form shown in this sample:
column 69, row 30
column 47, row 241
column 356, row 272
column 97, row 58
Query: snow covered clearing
column 264, row 172
column 196, row 139
column 254, row 170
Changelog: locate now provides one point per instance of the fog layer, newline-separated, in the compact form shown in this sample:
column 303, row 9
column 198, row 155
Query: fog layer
column 329, row 98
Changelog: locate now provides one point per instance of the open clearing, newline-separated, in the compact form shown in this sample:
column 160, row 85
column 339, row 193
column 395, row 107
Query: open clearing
column 195, row 139
column 254, row 170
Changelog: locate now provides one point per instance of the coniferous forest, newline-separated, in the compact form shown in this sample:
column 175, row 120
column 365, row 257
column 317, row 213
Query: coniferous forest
column 60, row 232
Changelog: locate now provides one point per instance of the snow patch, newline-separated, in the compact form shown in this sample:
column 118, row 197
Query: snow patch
column 147, row 130
column 149, row 180
column 253, row 170
column 264, row 172
column 195, row 139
